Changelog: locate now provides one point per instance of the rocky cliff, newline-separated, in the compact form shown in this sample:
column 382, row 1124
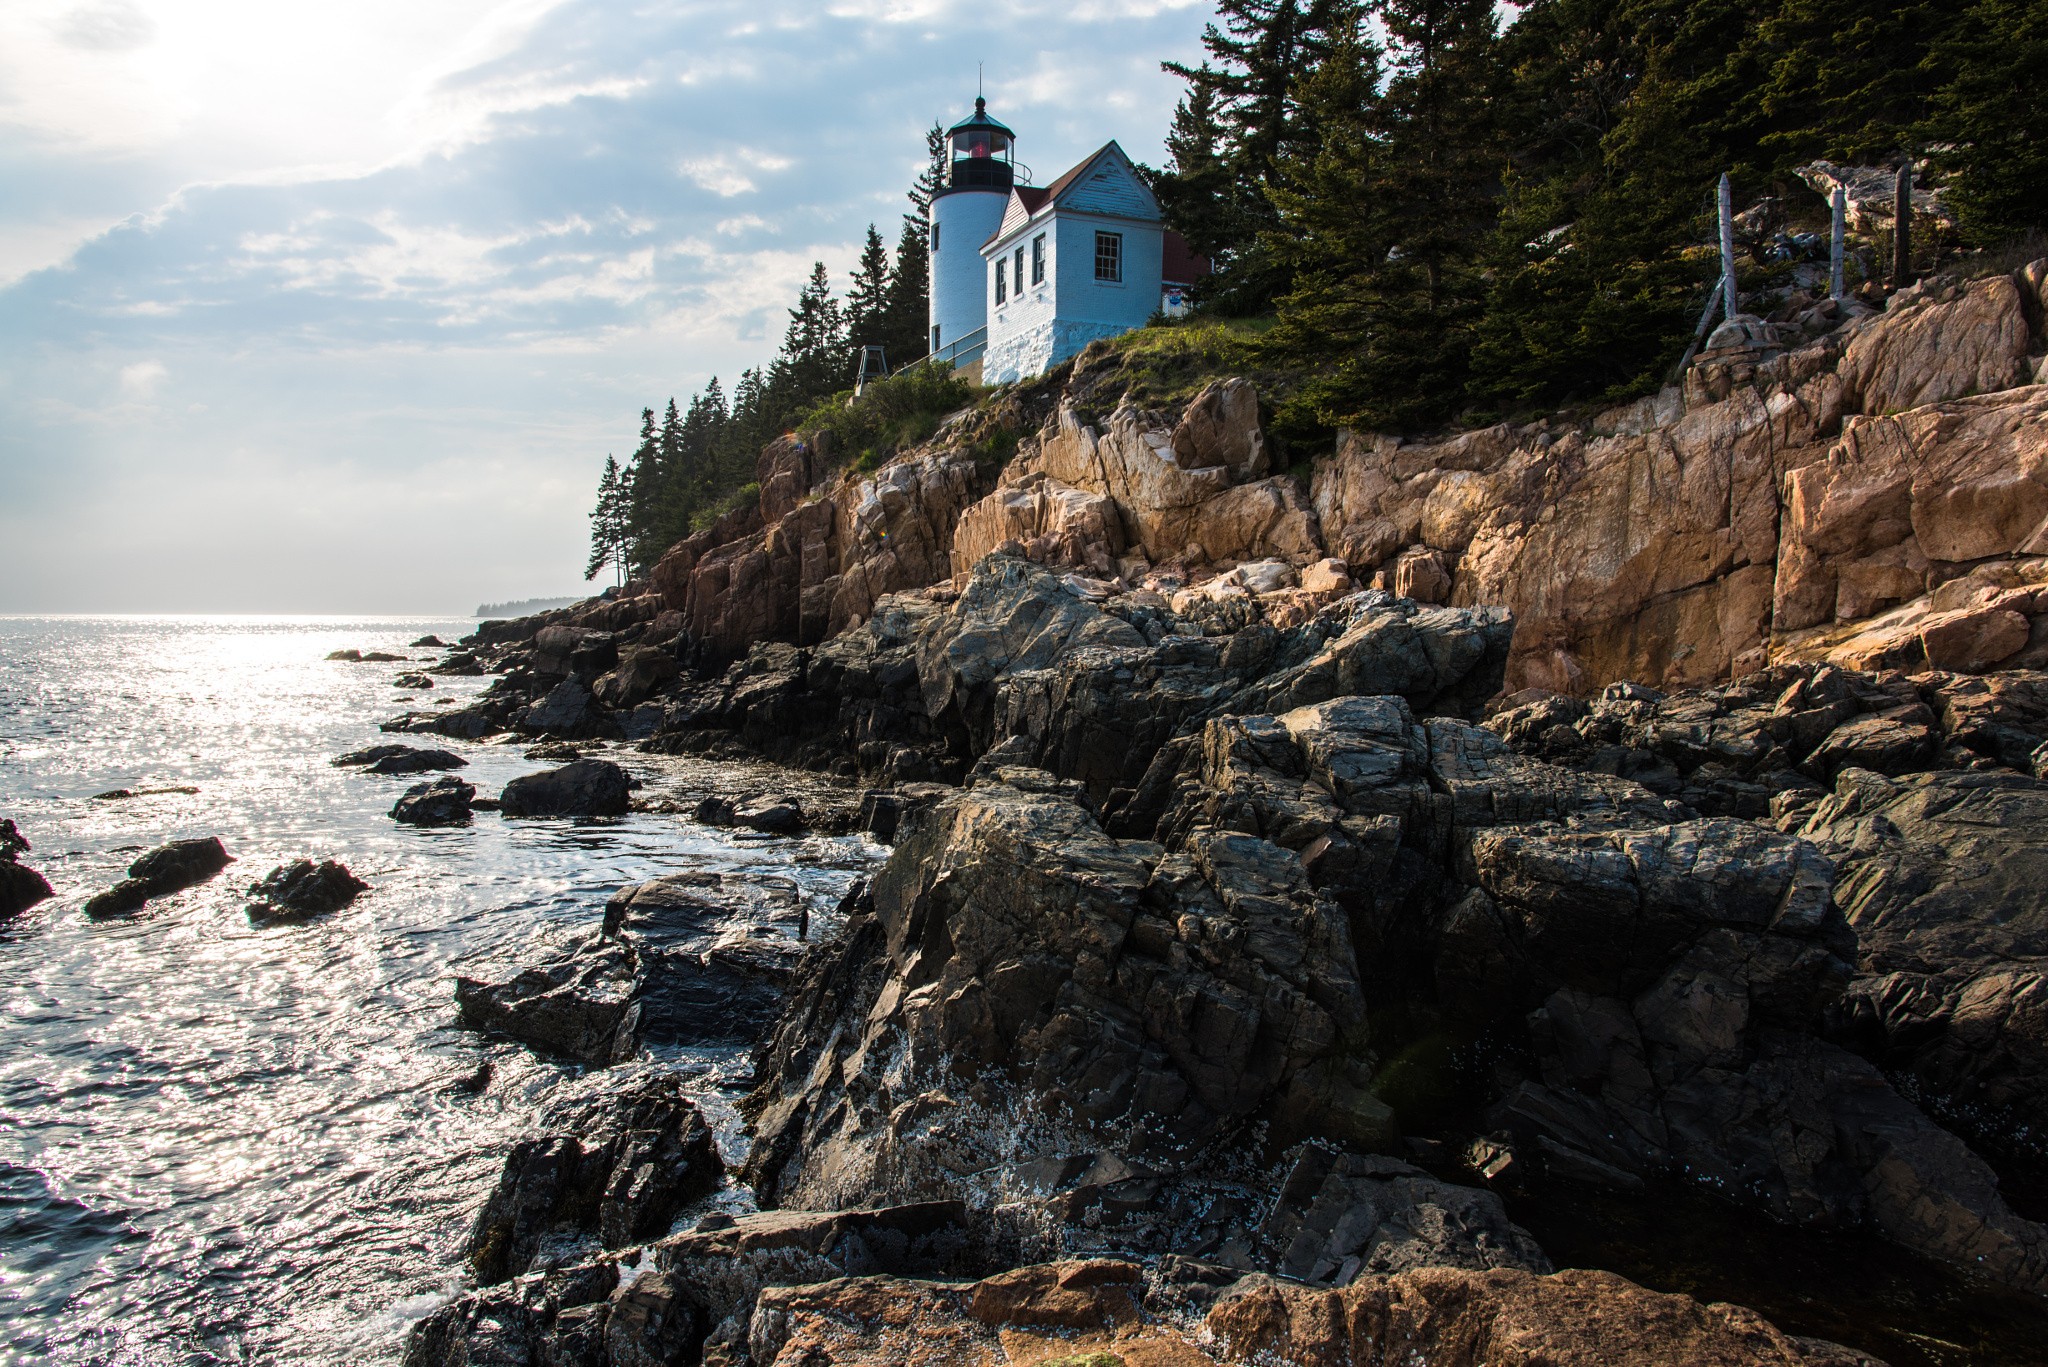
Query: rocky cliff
column 1875, row 495
column 1278, row 899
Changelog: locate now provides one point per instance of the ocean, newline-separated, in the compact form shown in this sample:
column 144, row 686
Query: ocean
column 226, row 1144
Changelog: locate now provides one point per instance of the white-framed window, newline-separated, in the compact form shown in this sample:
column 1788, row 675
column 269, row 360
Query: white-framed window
column 1038, row 259
column 1019, row 276
column 1002, row 278
column 935, row 336
column 935, row 237
column 1109, row 256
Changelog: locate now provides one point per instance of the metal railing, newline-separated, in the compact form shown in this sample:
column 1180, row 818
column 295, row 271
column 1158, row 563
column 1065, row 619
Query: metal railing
column 966, row 351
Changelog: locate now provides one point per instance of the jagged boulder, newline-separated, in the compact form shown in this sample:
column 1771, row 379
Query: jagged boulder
column 617, row 1170
column 581, row 1004
column 443, row 802
column 568, row 712
column 164, row 870
column 586, row 787
column 21, row 887
column 302, row 890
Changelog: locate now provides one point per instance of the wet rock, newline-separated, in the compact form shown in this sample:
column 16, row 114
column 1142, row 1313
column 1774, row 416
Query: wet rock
column 1941, row 875
column 21, row 887
column 641, row 672
column 458, row 664
column 618, row 1169
column 351, row 656
column 580, row 1005
column 302, row 890
column 715, row 953
column 399, row 759
column 126, row 794
column 417, row 682
column 775, row 816
column 714, row 811
column 568, row 712
column 587, row 787
column 167, row 869
column 379, row 657
column 430, row 643
column 443, row 802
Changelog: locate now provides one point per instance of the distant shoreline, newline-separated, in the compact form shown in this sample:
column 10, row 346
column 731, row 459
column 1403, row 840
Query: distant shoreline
column 525, row 607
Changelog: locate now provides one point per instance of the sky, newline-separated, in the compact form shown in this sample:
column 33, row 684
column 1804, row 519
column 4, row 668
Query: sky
column 339, row 308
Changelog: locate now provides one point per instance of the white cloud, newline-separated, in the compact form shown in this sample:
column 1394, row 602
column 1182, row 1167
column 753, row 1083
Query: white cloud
column 141, row 380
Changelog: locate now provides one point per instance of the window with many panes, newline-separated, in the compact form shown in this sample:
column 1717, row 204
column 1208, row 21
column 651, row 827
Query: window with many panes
column 1002, row 279
column 1038, row 259
column 1109, row 256
column 1019, row 276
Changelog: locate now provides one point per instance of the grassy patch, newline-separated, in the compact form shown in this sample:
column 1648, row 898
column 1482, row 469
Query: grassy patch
column 890, row 415
column 1167, row 363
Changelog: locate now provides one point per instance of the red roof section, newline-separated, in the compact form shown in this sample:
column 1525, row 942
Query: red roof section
column 1033, row 197
column 1178, row 264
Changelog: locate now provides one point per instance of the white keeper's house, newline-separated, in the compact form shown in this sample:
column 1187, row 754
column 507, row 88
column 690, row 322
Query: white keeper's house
column 1025, row 276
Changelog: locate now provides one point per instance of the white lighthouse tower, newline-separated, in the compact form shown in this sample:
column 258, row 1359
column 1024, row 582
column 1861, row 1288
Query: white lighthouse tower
column 966, row 211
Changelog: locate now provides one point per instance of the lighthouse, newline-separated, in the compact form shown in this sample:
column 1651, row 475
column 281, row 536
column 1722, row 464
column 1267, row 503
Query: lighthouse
column 966, row 211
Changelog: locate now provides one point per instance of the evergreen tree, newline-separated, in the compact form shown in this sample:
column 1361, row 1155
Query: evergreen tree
column 1329, row 235
column 1992, row 114
column 906, row 306
column 813, row 361
column 608, row 523
column 937, row 166
column 643, row 489
column 1241, row 118
column 867, row 301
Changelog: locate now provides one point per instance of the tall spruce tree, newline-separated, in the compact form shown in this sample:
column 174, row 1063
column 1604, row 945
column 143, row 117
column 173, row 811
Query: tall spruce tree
column 643, row 489
column 1990, row 114
column 906, row 307
column 814, row 361
column 1241, row 118
column 867, row 300
column 608, row 523
column 1329, row 235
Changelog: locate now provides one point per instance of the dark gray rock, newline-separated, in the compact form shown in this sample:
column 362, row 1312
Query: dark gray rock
column 399, row 759
column 416, row 682
column 568, row 712
column 618, row 1169
column 21, row 887
column 430, row 643
column 774, row 815
column 581, row 1004
column 443, row 802
column 167, row 869
column 587, row 787
column 302, row 890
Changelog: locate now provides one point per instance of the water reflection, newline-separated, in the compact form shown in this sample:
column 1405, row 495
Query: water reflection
column 224, row 1143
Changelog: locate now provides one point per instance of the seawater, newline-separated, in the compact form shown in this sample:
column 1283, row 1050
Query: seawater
column 224, row 1144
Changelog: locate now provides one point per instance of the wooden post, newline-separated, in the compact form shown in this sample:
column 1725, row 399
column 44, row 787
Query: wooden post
column 1728, row 299
column 1838, row 241
column 1902, row 226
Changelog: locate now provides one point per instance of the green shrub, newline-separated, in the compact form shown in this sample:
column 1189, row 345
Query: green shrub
column 889, row 415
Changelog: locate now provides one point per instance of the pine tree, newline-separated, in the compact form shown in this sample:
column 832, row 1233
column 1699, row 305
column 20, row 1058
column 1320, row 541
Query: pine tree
column 608, row 530
column 867, row 301
column 1329, row 234
column 642, row 481
column 937, row 166
column 1991, row 113
column 813, row 362
column 1241, row 119
column 906, row 307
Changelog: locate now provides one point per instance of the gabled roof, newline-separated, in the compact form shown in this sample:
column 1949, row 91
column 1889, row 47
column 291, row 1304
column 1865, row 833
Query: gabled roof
column 1035, row 200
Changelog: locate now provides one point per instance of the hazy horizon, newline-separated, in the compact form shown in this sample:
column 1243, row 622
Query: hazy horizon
column 301, row 312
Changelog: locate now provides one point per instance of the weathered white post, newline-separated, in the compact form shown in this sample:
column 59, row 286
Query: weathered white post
column 1902, row 226
column 1838, row 241
column 1728, row 301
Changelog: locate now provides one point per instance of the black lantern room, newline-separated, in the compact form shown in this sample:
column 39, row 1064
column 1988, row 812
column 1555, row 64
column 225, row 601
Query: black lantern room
column 984, row 155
